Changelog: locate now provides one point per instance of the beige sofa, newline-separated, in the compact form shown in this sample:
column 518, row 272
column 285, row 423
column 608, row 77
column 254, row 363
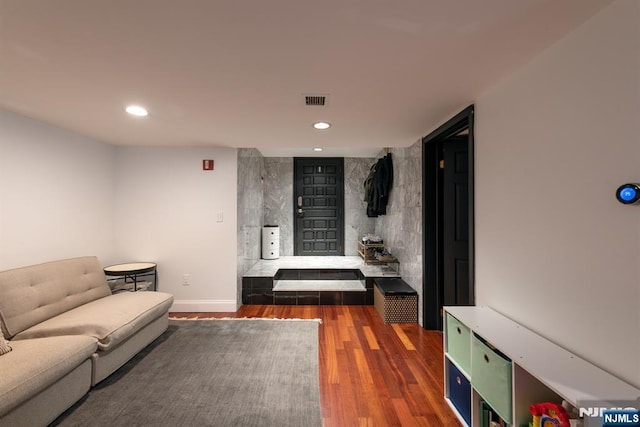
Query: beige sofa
column 67, row 332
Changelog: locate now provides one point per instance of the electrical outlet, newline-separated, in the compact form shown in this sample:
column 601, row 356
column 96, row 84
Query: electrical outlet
column 185, row 279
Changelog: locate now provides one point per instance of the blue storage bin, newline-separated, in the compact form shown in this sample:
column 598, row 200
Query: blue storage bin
column 459, row 392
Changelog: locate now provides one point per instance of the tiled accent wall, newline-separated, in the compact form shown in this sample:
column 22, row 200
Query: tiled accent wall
column 250, row 210
column 278, row 199
column 356, row 222
column 401, row 228
column 265, row 196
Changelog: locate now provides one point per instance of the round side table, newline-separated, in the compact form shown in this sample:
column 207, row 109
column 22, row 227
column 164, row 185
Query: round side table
column 132, row 272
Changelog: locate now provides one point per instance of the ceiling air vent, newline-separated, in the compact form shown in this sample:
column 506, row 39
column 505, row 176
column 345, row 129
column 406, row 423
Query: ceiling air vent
column 316, row 100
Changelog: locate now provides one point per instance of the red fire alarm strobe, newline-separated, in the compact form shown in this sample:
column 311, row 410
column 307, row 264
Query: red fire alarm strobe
column 207, row 165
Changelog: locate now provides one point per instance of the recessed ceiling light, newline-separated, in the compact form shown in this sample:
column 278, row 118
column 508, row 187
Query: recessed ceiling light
column 321, row 125
column 317, row 149
column 136, row 110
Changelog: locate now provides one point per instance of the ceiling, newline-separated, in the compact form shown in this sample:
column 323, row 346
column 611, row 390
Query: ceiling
column 232, row 73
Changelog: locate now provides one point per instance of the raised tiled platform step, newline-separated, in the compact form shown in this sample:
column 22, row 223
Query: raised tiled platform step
column 261, row 290
column 258, row 283
column 318, row 285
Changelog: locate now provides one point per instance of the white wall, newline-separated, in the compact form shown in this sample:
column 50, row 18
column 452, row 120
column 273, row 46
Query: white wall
column 56, row 194
column 555, row 250
column 63, row 195
column 166, row 213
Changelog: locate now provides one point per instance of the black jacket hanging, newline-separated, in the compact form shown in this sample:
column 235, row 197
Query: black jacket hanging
column 384, row 179
column 374, row 191
column 368, row 182
column 380, row 186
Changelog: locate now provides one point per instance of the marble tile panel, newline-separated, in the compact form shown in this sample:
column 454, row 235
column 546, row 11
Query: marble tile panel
column 250, row 212
column 278, row 199
column 356, row 221
column 401, row 228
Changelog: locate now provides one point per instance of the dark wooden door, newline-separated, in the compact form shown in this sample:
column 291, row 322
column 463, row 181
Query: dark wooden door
column 455, row 222
column 318, row 206
column 448, row 217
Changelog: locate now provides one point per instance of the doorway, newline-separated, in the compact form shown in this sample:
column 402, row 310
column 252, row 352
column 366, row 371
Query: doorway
column 318, row 190
column 448, row 213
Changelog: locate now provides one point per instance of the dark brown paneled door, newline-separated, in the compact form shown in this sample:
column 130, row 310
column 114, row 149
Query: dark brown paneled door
column 448, row 200
column 455, row 237
column 318, row 191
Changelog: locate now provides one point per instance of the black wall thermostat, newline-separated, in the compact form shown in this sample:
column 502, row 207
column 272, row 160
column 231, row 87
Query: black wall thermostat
column 628, row 194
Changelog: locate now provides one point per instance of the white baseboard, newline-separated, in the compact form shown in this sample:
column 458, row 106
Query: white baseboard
column 212, row 306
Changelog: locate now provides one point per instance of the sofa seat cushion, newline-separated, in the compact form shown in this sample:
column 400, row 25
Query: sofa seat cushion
column 35, row 364
column 110, row 320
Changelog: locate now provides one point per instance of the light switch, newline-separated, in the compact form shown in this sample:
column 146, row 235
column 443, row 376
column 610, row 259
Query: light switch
column 219, row 217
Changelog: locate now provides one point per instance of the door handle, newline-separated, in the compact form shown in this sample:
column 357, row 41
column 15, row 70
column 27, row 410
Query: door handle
column 299, row 211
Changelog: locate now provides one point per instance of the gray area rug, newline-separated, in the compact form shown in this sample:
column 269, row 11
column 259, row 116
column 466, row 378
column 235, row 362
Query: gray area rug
column 242, row 372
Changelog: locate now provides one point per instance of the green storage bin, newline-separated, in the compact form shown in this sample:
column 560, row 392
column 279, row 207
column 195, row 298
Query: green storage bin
column 459, row 343
column 491, row 377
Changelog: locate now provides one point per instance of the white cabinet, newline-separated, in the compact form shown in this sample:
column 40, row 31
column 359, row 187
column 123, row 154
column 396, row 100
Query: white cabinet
column 510, row 367
column 270, row 242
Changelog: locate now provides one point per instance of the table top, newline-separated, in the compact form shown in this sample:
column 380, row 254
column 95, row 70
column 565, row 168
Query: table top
column 130, row 268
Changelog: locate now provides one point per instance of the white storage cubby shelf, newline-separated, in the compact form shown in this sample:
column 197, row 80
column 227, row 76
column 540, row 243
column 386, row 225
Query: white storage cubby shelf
column 494, row 359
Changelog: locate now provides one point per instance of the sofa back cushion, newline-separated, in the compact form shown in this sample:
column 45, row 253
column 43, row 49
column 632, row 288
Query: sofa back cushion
column 30, row 295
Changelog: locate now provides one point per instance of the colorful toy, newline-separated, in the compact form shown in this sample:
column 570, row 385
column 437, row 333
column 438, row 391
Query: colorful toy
column 549, row 414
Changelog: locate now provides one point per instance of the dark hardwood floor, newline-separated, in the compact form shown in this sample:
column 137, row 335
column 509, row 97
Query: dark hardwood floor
column 371, row 373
